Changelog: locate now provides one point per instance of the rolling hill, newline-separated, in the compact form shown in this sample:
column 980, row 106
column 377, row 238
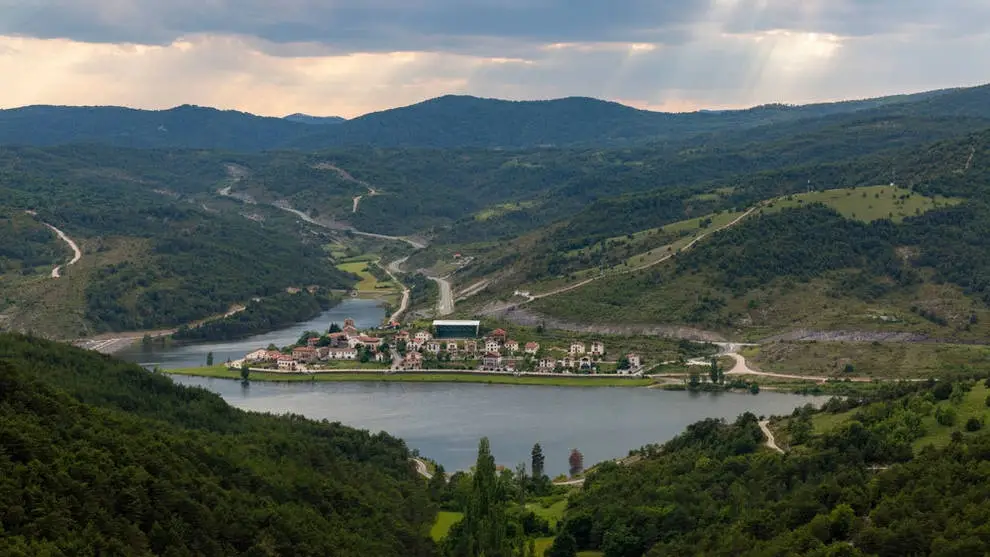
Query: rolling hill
column 445, row 122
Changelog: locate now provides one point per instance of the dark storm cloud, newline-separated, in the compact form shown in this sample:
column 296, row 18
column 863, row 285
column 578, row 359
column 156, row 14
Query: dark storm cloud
column 366, row 25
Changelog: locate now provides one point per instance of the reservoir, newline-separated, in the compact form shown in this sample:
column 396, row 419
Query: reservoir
column 366, row 314
column 446, row 420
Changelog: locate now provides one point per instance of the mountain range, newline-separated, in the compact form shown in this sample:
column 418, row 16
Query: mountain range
column 444, row 122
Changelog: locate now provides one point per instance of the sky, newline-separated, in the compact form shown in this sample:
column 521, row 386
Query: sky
column 351, row 57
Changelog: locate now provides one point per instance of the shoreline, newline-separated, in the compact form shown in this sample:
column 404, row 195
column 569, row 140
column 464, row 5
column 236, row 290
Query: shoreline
column 427, row 376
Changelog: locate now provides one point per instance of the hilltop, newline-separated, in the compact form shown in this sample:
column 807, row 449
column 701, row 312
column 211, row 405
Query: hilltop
column 445, row 122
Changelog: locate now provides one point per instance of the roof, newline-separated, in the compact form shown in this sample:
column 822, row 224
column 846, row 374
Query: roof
column 532, row 344
column 511, row 342
column 493, row 355
column 455, row 323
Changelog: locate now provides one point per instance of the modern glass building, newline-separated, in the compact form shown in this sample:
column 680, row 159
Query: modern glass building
column 456, row 329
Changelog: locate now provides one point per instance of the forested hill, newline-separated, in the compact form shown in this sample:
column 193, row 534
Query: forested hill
column 450, row 121
column 100, row 457
column 870, row 487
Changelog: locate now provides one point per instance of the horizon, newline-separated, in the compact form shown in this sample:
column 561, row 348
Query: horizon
column 349, row 59
column 166, row 108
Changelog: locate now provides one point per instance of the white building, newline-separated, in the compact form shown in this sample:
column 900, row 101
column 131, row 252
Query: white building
column 634, row 361
column 597, row 349
column 433, row 347
column 342, row 354
column 422, row 337
column 577, row 348
column 257, row 356
column 492, row 345
column 532, row 347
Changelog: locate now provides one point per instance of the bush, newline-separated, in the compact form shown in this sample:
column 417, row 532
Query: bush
column 942, row 391
column 974, row 424
column 987, row 401
column 945, row 416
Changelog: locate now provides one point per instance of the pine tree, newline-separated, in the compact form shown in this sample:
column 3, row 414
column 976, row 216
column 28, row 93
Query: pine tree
column 209, row 359
column 482, row 531
column 538, row 461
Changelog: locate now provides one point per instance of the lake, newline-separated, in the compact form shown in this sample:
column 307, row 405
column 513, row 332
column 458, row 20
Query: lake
column 366, row 314
column 445, row 421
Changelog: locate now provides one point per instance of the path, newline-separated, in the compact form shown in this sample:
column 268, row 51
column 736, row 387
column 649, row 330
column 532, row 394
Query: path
column 445, row 302
column 686, row 247
column 77, row 253
column 770, row 442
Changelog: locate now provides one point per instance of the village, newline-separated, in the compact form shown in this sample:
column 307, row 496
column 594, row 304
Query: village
column 449, row 346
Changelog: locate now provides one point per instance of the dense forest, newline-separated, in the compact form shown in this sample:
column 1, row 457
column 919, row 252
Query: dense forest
column 98, row 456
column 855, row 490
column 261, row 316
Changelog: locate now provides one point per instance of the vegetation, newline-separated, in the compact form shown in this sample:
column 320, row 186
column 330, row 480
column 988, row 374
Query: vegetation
column 855, row 489
column 103, row 456
column 261, row 316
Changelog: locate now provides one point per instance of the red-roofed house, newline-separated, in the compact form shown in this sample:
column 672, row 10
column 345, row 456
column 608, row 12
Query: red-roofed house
column 373, row 342
column 499, row 335
column 512, row 346
column 532, row 347
column 492, row 361
column 312, row 342
column 286, row 363
column 413, row 360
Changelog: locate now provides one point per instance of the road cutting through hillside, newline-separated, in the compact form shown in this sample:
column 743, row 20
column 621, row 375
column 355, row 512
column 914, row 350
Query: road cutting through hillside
column 76, row 252
column 770, row 442
column 686, row 247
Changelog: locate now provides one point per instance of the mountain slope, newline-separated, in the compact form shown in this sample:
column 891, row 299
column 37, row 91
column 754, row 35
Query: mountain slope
column 102, row 457
column 450, row 121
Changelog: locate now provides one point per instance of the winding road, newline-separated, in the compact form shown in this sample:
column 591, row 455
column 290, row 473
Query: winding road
column 77, row 253
column 770, row 442
column 390, row 269
column 422, row 469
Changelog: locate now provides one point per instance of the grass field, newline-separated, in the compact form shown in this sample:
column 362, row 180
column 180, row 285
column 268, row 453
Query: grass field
column 553, row 514
column 972, row 406
column 499, row 210
column 445, row 521
column 368, row 281
column 880, row 360
column 222, row 372
column 867, row 203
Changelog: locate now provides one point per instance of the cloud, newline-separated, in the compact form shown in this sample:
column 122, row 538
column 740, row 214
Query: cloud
column 352, row 57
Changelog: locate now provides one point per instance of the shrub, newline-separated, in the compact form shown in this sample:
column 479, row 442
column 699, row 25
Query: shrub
column 974, row 424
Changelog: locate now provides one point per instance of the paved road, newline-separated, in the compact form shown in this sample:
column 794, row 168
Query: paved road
column 445, row 303
column 770, row 442
column 404, row 305
column 77, row 253
column 285, row 207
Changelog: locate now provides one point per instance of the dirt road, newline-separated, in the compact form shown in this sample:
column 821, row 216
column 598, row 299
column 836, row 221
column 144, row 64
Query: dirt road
column 77, row 253
column 422, row 469
column 404, row 305
column 286, row 207
column 770, row 442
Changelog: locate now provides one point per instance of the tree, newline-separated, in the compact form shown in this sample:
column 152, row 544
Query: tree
column 564, row 546
column 623, row 363
column 694, row 380
column 334, row 328
column 576, row 460
column 245, row 372
column 146, row 340
column 209, row 359
column 272, row 347
column 437, row 485
column 537, row 461
column 482, row 531
column 715, row 372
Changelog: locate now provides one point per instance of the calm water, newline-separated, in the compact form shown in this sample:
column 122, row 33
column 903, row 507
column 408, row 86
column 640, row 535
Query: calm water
column 445, row 421
column 366, row 314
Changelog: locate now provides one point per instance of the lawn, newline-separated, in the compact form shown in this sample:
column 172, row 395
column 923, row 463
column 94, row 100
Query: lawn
column 972, row 406
column 368, row 281
column 868, row 203
column 544, row 544
column 221, row 372
column 445, row 520
column 553, row 514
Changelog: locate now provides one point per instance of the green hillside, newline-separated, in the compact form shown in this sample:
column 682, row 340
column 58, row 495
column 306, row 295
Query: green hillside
column 858, row 488
column 102, row 457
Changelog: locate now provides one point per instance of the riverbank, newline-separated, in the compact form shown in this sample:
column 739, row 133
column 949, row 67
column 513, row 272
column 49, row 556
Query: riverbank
column 416, row 377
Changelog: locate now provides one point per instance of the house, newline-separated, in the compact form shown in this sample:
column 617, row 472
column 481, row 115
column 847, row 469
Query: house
column 470, row 346
column 548, row 364
column 532, row 347
column 422, row 337
column 433, row 347
column 577, row 348
column 509, row 365
column 585, row 362
column 323, row 352
column 634, row 361
column 312, row 342
column 499, row 335
column 451, row 347
column 371, row 342
column 338, row 339
column 598, row 349
column 512, row 346
column 567, row 362
column 492, row 345
column 342, row 354
column 304, row 354
column 383, row 357
column 273, row 355
column 414, row 346
column 351, row 331
column 413, row 360
column 402, row 336
column 349, row 322
column 257, row 356
column 286, row 363
column 492, row 361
